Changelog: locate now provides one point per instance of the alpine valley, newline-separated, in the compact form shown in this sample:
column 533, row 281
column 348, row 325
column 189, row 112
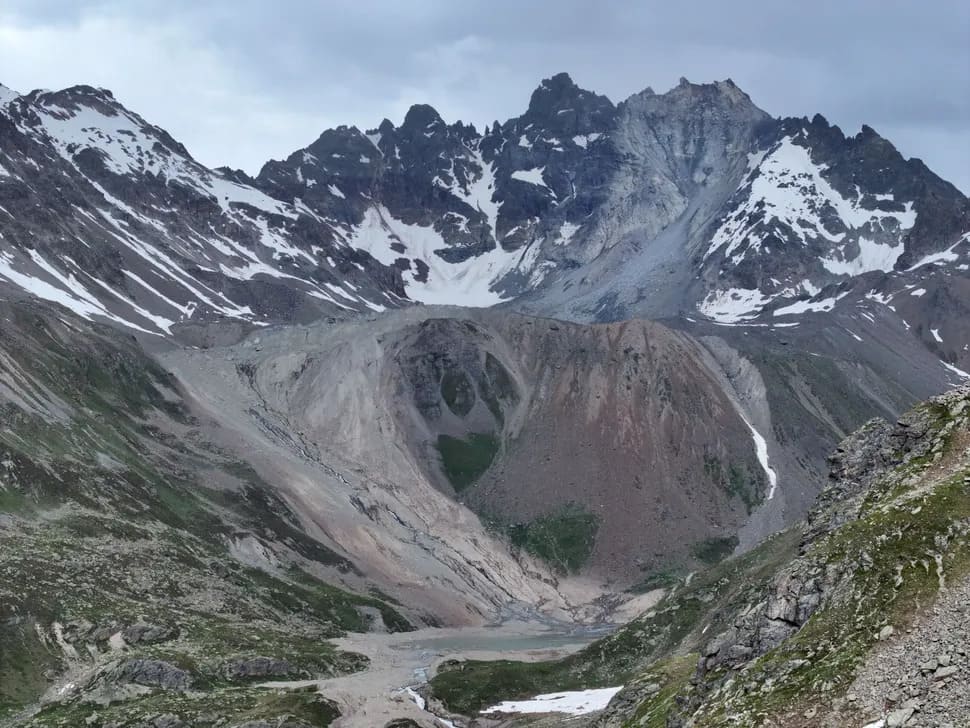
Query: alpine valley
column 664, row 403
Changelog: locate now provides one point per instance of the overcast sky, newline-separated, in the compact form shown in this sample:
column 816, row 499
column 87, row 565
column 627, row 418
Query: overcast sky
column 242, row 81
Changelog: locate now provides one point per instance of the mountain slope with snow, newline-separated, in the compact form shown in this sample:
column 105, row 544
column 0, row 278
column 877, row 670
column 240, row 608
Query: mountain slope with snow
column 110, row 216
column 691, row 203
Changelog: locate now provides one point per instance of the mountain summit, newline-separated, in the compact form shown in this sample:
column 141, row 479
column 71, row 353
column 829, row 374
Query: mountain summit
column 693, row 203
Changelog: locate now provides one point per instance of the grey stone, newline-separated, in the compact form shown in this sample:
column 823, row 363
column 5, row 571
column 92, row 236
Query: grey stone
column 899, row 717
column 258, row 667
column 152, row 673
column 148, row 634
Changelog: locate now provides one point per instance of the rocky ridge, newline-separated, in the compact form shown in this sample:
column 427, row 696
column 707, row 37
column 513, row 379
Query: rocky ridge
column 689, row 204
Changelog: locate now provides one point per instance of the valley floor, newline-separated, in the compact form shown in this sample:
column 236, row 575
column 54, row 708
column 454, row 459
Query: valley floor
column 398, row 661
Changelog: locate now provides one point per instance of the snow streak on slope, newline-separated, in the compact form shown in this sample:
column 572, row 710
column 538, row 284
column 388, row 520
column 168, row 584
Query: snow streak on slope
column 761, row 449
column 179, row 233
column 479, row 194
column 67, row 291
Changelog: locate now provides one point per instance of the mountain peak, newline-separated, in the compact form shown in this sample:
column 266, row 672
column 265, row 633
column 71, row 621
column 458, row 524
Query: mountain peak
column 560, row 92
column 560, row 81
column 726, row 89
column 421, row 117
column 75, row 97
column 558, row 104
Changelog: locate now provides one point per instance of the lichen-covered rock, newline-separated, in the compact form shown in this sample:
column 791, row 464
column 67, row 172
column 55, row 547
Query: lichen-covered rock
column 151, row 673
column 149, row 634
column 259, row 667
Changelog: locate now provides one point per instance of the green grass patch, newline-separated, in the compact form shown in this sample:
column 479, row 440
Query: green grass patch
column 712, row 550
column 565, row 540
column 736, row 480
column 661, row 579
column 24, row 664
column 464, row 461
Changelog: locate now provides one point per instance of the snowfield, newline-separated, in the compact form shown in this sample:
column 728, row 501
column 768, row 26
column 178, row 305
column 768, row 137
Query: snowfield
column 578, row 702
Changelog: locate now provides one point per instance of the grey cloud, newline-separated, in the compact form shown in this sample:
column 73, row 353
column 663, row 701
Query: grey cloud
column 294, row 68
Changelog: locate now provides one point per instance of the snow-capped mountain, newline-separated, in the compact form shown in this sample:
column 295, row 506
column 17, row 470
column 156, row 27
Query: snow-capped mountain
column 109, row 215
column 692, row 204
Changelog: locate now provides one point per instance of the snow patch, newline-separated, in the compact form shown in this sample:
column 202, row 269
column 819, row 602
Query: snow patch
column 467, row 283
column 872, row 256
column 733, row 305
column 585, row 140
column 883, row 298
column 566, row 232
column 826, row 304
column 532, row 176
column 578, row 702
column 479, row 194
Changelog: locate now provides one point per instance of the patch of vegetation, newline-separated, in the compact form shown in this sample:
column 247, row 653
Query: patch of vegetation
column 24, row 664
column 662, row 579
column 669, row 677
column 469, row 687
column 736, row 480
column 324, row 597
column 565, row 540
column 234, row 706
column 901, row 574
column 712, row 550
column 464, row 461
column 12, row 501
